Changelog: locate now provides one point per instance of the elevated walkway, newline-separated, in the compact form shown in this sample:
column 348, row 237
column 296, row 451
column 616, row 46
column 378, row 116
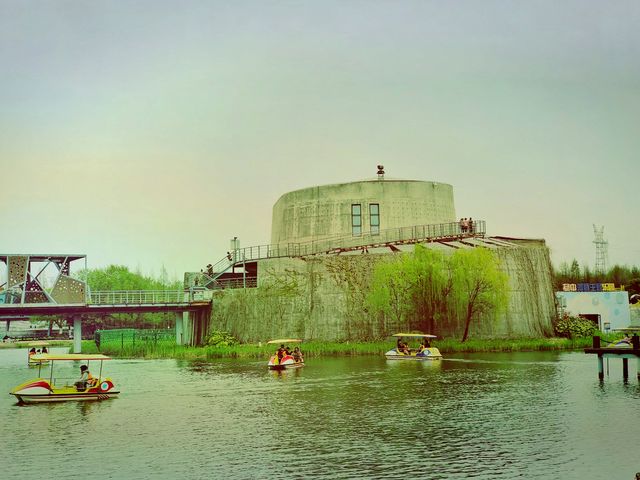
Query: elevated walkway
column 330, row 245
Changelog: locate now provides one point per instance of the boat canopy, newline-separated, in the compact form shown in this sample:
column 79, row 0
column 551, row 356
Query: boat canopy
column 415, row 335
column 285, row 340
column 69, row 356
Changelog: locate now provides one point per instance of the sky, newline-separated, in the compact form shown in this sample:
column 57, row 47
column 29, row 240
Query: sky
column 149, row 133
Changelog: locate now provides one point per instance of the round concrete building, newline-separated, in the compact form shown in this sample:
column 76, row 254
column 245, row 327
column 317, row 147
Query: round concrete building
column 359, row 208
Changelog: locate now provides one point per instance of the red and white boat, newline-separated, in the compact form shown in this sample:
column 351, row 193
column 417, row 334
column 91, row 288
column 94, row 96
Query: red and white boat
column 285, row 360
column 41, row 390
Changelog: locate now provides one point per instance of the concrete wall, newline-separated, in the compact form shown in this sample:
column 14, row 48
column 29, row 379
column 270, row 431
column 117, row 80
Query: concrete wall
column 322, row 298
column 317, row 212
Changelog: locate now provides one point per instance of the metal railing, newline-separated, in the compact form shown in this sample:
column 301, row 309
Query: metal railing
column 412, row 234
column 138, row 297
column 222, row 283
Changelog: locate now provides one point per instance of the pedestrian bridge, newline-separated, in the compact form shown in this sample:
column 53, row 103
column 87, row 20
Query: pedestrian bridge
column 26, row 291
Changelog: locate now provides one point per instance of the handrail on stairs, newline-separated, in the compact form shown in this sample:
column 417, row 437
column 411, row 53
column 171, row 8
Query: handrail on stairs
column 409, row 234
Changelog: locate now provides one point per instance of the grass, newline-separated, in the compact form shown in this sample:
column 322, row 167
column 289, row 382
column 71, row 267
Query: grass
column 25, row 344
column 320, row 349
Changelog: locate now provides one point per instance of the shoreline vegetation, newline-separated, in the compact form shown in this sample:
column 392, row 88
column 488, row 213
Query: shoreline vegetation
column 315, row 349
column 311, row 349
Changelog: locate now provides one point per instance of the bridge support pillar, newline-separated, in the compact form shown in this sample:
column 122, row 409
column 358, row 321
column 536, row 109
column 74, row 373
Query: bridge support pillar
column 180, row 327
column 77, row 334
column 187, row 328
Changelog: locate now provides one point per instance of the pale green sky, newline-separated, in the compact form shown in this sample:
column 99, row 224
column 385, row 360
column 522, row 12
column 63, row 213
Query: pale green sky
column 151, row 132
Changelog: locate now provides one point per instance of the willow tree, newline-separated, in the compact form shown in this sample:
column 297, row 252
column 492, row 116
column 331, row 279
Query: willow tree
column 390, row 290
column 478, row 284
column 431, row 284
column 412, row 288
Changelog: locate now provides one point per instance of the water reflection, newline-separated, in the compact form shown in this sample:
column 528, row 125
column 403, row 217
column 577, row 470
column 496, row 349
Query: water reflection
column 287, row 373
column 483, row 416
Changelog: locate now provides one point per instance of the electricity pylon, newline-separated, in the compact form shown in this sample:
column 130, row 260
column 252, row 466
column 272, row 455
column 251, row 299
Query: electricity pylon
column 601, row 249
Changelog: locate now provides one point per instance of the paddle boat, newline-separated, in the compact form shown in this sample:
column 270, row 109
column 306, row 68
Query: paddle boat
column 51, row 390
column 425, row 352
column 288, row 360
column 32, row 352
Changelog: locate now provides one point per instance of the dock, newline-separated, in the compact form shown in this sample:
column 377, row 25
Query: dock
column 624, row 352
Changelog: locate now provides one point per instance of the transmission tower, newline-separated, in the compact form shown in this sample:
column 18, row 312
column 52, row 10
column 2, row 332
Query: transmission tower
column 601, row 249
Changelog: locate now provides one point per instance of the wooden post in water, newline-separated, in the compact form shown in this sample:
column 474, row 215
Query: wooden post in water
column 625, row 368
column 596, row 344
column 600, row 368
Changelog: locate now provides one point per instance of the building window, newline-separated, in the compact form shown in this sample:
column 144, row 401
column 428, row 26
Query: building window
column 356, row 219
column 374, row 218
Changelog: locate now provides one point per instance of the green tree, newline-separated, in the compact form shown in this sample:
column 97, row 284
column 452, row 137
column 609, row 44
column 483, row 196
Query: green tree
column 587, row 275
column 412, row 289
column 574, row 271
column 478, row 284
column 390, row 291
column 119, row 277
column 431, row 283
column 562, row 275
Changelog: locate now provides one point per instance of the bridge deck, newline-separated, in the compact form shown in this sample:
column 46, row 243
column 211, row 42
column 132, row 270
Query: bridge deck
column 121, row 301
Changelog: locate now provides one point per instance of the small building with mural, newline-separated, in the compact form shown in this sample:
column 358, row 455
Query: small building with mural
column 602, row 303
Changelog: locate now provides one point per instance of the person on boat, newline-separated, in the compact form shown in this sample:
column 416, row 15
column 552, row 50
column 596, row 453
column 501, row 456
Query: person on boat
column 85, row 378
column 422, row 347
column 44, row 350
column 426, row 342
column 281, row 353
column 297, row 355
column 32, row 352
column 403, row 347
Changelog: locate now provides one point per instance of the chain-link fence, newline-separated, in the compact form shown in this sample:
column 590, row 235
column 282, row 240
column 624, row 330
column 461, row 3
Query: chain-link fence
column 130, row 337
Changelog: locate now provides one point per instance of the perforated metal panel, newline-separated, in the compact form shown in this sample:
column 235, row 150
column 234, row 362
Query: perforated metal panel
column 68, row 290
column 17, row 270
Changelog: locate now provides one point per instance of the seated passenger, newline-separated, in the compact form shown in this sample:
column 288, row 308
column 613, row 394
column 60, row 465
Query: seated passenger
column 85, row 378
column 32, row 352
column 297, row 355
column 403, row 348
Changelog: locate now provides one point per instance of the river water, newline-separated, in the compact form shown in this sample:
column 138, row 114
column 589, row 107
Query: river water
column 483, row 416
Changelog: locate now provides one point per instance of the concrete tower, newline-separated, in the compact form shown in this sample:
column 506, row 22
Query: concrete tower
column 359, row 208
